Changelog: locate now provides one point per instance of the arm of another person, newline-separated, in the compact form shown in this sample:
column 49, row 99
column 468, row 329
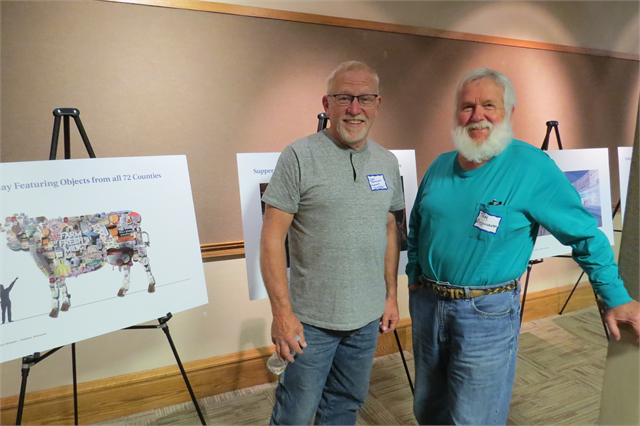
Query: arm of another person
column 273, row 265
column 390, row 318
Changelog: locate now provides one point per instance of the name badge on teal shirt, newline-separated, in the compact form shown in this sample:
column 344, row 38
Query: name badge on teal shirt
column 488, row 223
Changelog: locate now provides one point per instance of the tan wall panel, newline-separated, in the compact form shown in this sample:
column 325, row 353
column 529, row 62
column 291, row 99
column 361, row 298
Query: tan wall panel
column 154, row 81
column 603, row 25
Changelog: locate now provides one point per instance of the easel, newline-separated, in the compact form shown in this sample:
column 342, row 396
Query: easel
column 545, row 147
column 322, row 124
column 66, row 113
column 162, row 323
column 28, row 362
column 31, row 360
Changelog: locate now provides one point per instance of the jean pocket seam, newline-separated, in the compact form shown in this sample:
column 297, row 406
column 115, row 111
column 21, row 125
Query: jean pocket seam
column 490, row 314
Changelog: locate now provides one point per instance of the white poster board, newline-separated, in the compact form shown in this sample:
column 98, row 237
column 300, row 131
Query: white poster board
column 254, row 173
column 588, row 172
column 624, row 168
column 95, row 211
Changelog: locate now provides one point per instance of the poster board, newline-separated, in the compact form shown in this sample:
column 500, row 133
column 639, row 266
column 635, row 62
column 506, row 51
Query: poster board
column 74, row 217
column 254, row 173
column 588, row 172
column 624, row 167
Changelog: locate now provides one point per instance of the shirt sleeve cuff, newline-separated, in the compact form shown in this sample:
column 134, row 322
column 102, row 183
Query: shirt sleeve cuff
column 615, row 296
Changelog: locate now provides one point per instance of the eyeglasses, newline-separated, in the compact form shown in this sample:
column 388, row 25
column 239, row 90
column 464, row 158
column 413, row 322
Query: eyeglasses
column 363, row 100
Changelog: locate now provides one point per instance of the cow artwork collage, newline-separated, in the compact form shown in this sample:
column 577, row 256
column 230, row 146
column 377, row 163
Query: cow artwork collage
column 66, row 247
column 80, row 259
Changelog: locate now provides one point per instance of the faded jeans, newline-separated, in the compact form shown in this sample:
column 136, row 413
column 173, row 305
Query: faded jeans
column 330, row 379
column 465, row 354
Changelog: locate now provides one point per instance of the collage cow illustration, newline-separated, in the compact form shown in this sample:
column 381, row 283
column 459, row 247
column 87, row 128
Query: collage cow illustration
column 71, row 246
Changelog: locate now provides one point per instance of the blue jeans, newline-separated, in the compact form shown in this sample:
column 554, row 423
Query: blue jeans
column 465, row 354
column 330, row 379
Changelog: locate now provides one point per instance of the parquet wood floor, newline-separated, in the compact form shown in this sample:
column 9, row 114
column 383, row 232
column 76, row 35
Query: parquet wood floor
column 558, row 382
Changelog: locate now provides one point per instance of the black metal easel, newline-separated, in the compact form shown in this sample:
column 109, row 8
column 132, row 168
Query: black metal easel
column 322, row 121
column 31, row 360
column 545, row 144
column 162, row 323
column 322, row 124
column 58, row 113
column 28, row 362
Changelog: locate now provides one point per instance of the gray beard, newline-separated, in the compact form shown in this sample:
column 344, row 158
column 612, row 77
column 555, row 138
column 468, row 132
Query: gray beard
column 499, row 138
column 348, row 137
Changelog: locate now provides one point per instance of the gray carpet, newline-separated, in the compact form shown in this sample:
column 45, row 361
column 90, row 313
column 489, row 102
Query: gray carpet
column 558, row 381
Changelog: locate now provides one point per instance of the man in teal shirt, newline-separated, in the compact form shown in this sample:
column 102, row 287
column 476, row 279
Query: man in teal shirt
column 471, row 235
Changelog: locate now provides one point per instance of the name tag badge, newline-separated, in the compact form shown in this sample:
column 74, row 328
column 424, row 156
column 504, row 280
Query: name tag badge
column 487, row 222
column 377, row 182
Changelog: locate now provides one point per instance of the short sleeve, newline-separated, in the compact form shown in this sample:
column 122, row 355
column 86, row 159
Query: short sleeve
column 283, row 191
column 397, row 202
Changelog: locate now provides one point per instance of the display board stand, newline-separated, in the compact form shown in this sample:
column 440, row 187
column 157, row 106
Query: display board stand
column 162, row 323
column 31, row 360
column 322, row 124
column 58, row 113
column 322, row 121
column 28, row 362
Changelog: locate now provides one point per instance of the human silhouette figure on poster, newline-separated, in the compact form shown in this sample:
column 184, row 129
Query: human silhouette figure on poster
column 5, row 301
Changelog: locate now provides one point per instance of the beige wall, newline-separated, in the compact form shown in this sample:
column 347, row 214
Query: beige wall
column 158, row 81
column 603, row 25
column 230, row 322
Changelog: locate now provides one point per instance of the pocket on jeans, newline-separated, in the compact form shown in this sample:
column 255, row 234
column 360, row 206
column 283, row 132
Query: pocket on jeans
column 494, row 305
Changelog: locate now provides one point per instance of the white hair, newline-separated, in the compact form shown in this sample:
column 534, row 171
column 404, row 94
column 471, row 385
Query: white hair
column 508, row 97
column 351, row 66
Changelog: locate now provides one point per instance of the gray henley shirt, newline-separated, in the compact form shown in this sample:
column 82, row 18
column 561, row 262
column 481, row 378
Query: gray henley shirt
column 337, row 240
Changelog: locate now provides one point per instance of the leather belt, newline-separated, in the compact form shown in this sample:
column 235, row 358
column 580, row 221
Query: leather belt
column 459, row 293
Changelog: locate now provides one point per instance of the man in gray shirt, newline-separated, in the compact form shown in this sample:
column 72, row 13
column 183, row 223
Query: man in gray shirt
column 333, row 193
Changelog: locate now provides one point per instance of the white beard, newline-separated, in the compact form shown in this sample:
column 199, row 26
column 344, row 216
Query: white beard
column 499, row 138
